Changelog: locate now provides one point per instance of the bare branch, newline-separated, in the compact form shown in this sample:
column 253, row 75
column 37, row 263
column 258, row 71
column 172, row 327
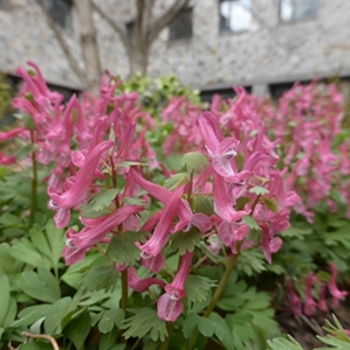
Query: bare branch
column 163, row 21
column 62, row 42
column 43, row 336
column 120, row 30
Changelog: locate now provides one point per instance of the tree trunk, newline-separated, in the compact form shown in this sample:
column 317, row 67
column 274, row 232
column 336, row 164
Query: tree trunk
column 89, row 45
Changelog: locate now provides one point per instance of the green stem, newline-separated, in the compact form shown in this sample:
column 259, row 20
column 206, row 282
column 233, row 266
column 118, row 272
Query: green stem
column 125, row 291
column 230, row 264
column 33, row 202
column 165, row 344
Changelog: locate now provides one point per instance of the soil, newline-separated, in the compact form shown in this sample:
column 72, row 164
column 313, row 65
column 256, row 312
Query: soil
column 304, row 329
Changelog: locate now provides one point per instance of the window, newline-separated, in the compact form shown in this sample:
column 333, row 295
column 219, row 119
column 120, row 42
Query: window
column 181, row 26
column 293, row 10
column 61, row 12
column 130, row 27
column 235, row 15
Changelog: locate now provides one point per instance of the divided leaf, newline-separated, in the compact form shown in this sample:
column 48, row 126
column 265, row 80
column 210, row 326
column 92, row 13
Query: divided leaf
column 259, row 191
column 101, row 277
column 194, row 161
column 252, row 224
column 198, row 287
column 183, row 241
column 145, row 321
column 41, row 286
column 122, row 248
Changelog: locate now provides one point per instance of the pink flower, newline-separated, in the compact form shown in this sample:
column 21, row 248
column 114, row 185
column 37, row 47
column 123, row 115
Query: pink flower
column 332, row 286
column 294, row 300
column 161, row 233
column 170, row 304
column 222, row 205
column 221, row 150
column 99, row 227
column 84, row 178
column 140, row 285
column 153, row 263
column 9, row 135
column 310, row 303
column 269, row 243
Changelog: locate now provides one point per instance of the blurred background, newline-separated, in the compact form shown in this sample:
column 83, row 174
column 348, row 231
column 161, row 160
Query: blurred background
column 210, row 45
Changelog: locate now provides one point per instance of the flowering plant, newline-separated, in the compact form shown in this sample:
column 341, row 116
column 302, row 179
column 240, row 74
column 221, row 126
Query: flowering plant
column 162, row 218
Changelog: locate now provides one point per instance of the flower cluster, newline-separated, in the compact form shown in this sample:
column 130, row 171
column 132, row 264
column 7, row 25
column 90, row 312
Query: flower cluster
column 250, row 177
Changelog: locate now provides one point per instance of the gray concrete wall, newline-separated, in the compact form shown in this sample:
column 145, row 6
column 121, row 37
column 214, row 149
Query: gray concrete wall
column 270, row 51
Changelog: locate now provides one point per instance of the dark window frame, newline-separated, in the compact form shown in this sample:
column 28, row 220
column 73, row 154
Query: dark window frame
column 64, row 19
column 173, row 38
column 299, row 19
column 229, row 31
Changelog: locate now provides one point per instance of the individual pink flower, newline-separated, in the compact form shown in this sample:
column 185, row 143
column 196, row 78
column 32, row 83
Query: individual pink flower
column 161, row 233
column 152, row 263
column 7, row 160
column 99, row 227
column 9, row 135
column 269, row 244
column 170, row 304
column 333, row 288
column 294, row 300
column 310, row 303
column 221, row 150
column 142, row 284
column 222, row 205
column 84, row 178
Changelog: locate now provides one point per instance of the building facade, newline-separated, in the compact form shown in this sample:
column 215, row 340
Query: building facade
column 264, row 45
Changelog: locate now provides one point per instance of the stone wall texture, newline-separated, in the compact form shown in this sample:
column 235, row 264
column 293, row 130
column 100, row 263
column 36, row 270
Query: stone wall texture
column 270, row 51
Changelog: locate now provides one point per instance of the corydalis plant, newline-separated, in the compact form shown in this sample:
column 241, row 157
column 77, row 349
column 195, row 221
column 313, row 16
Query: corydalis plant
column 232, row 193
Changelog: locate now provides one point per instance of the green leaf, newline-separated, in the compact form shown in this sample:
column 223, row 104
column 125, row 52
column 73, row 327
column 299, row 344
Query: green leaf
column 73, row 275
column 185, row 241
column 25, row 251
column 194, row 161
column 259, row 191
column 145, row 321
column 271, row 204
column 282, row 343
column 251, row 261
column 296, row 232
column 8, row 265
column 41, row 286
column 11, row 312
column 4, row 298
column 122, row 248
column 25, row 150
column 35, row 346
column 241, row 202
column 198, row 287
column 203, row 204
column 190, row 325
column 109, row 319
column 56, row 313
column 10, row 220
column 101, row 277
column 57, row 241
column 108, row 340
column 176, row 180
column 39, row 240
column 252, row 224
column 78, row 329
column 206, row 327
column 102, row 200
column 221, row 330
